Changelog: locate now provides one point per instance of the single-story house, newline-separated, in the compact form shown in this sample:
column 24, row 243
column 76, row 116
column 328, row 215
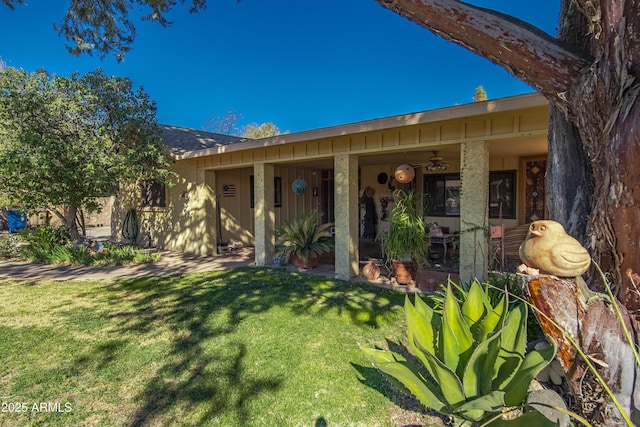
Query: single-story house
column 228, row 188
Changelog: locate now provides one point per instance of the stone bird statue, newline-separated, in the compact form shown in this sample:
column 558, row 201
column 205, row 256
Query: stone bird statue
column 549, row 249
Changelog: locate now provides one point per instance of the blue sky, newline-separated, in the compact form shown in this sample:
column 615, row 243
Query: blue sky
column 299, row 64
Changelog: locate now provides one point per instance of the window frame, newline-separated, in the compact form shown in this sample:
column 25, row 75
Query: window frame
column 450, row 206
column 277, row 191
column 153, row 194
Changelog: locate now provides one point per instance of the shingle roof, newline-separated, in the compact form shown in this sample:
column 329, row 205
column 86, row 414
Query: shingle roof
column 181, row 140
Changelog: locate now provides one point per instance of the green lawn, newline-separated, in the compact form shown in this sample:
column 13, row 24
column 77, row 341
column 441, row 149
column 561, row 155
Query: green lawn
column 244, row 347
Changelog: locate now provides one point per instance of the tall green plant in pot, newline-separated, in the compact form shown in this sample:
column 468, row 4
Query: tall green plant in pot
column 405, row 245
column 304, row 239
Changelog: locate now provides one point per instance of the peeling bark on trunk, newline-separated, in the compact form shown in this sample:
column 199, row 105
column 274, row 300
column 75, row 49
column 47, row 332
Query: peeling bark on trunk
column 569, row 179
column 594, row 326
column 604, row 106
column 522, row 49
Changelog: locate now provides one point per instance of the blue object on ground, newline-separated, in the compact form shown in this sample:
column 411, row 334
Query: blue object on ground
column 16, row 221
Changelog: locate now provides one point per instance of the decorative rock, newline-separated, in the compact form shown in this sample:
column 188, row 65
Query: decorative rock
column 371, row 271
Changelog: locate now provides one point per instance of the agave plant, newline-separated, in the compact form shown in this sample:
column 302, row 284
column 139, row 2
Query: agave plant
column 473, row 359
column 304, row 237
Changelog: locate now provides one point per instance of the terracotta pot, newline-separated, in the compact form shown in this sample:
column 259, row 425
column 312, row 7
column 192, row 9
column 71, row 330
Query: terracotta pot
column 310, row 263
column 428, row 284
column 404, row 271
column 371, row 271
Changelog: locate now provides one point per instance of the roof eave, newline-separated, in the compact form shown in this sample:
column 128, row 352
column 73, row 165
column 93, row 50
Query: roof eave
column 428, row 116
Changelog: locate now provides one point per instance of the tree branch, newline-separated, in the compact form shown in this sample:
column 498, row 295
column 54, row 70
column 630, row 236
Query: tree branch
column 522, row 49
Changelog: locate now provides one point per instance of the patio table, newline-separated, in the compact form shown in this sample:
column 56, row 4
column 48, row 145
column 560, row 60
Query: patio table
column 445, row 239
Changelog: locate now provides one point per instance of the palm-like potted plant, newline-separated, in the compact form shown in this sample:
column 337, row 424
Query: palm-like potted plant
column 405, row 245
column 304, row 239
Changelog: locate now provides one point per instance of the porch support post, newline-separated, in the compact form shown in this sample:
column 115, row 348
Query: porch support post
column 265, row 217
column 346, row 214
column 210, row 236
column 474, row 221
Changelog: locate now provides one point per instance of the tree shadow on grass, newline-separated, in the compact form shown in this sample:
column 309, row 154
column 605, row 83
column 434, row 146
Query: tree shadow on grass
column 375, row 379
column 224, row 389
column 202, row 375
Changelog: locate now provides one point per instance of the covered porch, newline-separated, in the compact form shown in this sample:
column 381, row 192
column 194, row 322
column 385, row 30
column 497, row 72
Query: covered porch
column 490, row 149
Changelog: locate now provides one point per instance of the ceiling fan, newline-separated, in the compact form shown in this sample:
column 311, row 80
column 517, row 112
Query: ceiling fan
column 436, row 163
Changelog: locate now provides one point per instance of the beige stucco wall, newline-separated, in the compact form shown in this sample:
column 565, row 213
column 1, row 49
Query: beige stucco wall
column 186, row 224
column 95, row 219
column 189, row 221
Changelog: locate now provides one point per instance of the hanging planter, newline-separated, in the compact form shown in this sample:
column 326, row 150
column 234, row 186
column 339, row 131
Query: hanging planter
column 404, row 174
column 299, row 186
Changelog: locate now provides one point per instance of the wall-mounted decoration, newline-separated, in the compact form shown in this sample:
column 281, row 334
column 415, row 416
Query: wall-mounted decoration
column 382, row 178
column 404, row 174
column 315, row 191
column 299, row 186
column 229, row 190
column 391, row 184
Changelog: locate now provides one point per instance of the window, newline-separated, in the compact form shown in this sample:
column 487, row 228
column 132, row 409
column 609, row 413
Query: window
column 277, row 191
column 153, row 194
column 443, row 194
column 502, row 194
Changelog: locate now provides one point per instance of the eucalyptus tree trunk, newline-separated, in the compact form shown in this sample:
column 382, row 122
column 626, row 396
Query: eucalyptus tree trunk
column 569, row 179
column 603, row 103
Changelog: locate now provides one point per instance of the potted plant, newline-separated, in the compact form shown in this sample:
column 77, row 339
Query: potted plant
column 278, row 260
column 303, row 240
column 405, row 245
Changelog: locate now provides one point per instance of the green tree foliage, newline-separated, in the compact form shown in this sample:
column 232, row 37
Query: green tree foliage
column 65, row 141
column 105, row 27
column 264, row 130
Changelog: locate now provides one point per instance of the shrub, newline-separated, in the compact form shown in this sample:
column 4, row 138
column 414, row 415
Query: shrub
column 69, row 255
column 46, row 235
column 48, row 245
column 42, row 241
column 9, row 246
column 304, row 237
column 472, row 355
column 118, row 255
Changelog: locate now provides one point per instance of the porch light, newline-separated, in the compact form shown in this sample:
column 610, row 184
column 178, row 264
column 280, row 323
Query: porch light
column 436, row 163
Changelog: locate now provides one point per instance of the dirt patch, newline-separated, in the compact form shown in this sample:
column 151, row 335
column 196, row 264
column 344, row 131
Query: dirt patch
column 408, row 411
